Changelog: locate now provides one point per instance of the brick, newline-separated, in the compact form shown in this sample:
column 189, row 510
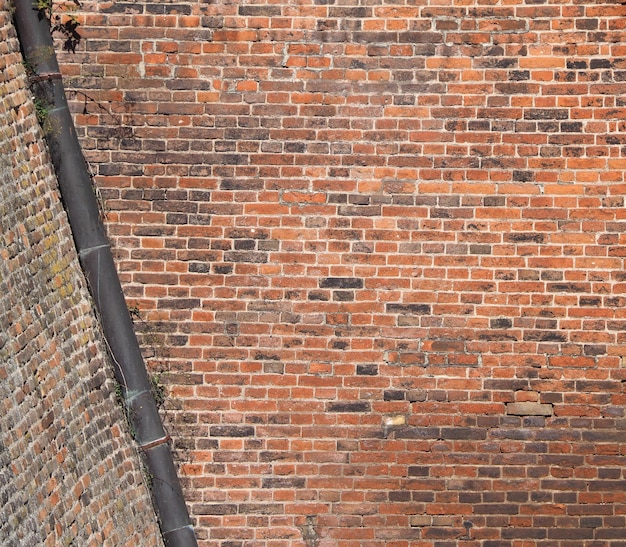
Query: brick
column 529, row 409
column 231, row 431
column 283, row 482
column 421, row 520
column 367, row 370
column 216, row 509
column 354, row 406
column 341, row 283
column 410, row 309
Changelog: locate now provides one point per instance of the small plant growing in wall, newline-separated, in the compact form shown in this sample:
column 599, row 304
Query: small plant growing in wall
column 62, row 20
column 158, row 389
column 155, row 343
column 42, row 112
column 119, row 398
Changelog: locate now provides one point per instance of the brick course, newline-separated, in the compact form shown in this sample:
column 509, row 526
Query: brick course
column 378, row 254
column 69, row 474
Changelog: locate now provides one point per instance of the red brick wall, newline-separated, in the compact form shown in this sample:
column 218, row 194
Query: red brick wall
column 378, row 253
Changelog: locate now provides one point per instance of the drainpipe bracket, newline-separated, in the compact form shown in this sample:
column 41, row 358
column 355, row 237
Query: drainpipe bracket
column 148, row 446
column 45, row 76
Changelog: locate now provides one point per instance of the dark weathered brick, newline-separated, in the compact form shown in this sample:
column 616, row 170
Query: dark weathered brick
column 341, row 283
column 231, row 430
column 348, row 406
column 413, row 309
column 367, row 370
column 283, row 482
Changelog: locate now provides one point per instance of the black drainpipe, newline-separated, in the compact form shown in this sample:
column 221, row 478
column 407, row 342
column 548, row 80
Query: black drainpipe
column 94, row 252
